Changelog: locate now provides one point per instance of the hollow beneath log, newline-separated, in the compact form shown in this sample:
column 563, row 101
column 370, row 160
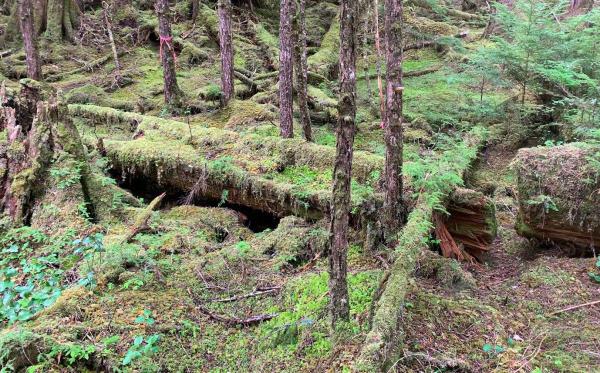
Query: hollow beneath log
column 255, row 219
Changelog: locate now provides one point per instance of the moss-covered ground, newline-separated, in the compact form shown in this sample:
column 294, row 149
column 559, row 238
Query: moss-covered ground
column 182, row 294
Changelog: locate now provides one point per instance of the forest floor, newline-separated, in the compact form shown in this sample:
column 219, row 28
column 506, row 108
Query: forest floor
column 211, row 285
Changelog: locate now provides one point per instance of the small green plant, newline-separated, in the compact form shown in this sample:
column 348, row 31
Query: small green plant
column 492, row 350
column 224, row 196
column 545, row 201
column 32, row 268
column 71, row 353
column 141, row 346
column 145, row 318
column 133, row 283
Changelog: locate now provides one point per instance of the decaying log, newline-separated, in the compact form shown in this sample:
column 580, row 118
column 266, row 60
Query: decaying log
column 470, row 222
column 559, row 194
column 180, row 167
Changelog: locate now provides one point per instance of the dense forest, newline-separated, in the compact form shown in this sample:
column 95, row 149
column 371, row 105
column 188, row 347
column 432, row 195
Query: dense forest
column 299, row 185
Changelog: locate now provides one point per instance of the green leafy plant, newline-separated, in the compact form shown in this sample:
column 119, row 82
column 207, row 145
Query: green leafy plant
column 32, row 268
column 544, row 201
column 141, row 346
column 595, row 276
column 66, row 176
column 71, row 353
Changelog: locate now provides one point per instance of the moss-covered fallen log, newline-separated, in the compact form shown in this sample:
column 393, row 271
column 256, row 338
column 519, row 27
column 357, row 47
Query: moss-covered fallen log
column 209, row 161
column 249, row 149
column 325, row 61
column 559, row 194
column 384, row 342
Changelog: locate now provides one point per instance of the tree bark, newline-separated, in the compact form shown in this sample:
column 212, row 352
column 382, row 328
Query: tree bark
column 34, row 69
column 302, row 70
column 226, row 46
column 167, row 54
column 111, row 38
column 379, row 57
column 62, row 19
column 286, row 69
column 365, row 47
column 393, row 204
column 340, row 203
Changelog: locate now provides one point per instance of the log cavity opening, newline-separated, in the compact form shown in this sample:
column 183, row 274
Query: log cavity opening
column 254, row 219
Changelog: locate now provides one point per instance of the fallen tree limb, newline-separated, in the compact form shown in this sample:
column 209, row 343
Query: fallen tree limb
column 247, row 81
column 231, row 321
column 256, row 293
column 571, row 308
column 412, row 74
column 87, row 67
column 431, row 43
column 141, row 222
column 385, row 340
column 313, row 78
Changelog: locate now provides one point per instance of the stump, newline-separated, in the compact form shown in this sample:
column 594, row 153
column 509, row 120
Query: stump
column 559, row 194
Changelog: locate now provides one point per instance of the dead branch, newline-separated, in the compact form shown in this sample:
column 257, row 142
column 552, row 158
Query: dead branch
column 232, row 321
column 141, row 222
column 257, row 292
column 570, row 308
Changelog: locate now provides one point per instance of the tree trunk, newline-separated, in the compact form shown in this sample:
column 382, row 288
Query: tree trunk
column 302, row 70
column 62, row 19
column 393, row 204
column 226, row 44
column 167, row 54
column 34, row 69
column 111, row 38
column 36, row 131
column 195, row 10
column 379, row 57
column 286, row 69
column 365, row 47
column 340, row 203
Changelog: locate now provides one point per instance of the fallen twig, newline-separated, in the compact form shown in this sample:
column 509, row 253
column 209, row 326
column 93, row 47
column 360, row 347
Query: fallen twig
column 255, row 293
column 570, row 308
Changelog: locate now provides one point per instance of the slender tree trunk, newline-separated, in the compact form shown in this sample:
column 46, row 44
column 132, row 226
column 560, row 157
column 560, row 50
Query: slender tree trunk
column 286, row 69
column 366, row 52
column 340, row 203
column 226, row 43
column 34, row 68
column 302, row 70
column 111, row 38
column 195, row 10
column 393, row 204
column 167, row 54
column 379, row 58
